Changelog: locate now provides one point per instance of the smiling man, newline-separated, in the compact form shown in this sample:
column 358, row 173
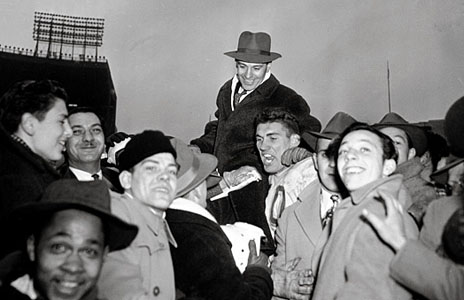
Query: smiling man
column 85, row 146
column 365, row 160
column 69, row 233
column 148, row 175
column 252, row 89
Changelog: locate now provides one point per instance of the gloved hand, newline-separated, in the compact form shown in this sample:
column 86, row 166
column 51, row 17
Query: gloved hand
column 115, row 144
column 241, row 175
column 293, row 283
column 293, row 155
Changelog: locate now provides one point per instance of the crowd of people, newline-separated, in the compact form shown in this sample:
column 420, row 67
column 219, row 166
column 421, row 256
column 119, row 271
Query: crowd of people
column 264, row 205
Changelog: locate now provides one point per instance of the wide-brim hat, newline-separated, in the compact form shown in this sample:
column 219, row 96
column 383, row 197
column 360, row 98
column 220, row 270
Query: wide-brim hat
column 254, row 47
column 143, row 145
column 336, row 125
column 415, row 133
column 89, row 196
column 194, row 168
column 454, row 127
column 441, row 175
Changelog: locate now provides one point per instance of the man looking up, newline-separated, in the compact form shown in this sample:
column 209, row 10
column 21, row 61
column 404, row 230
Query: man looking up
column 148, row 175
column 240, row 99
column 301, row 224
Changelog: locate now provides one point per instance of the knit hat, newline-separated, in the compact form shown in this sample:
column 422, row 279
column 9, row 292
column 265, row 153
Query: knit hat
column 144, row 145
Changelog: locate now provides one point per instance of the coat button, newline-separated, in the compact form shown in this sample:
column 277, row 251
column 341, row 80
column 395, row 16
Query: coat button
column 156, row 291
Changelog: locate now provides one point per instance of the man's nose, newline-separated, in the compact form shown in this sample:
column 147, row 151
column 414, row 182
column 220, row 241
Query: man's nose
column 248, row 73
column 73, row 263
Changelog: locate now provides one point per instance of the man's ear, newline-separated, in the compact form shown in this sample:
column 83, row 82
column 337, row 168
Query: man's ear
column 411, row 153
column 125, row 178
column 268, row 68
column 294, row 140
column 105, row 252
column 30, row 247
column 28, row 123
column 389, row 166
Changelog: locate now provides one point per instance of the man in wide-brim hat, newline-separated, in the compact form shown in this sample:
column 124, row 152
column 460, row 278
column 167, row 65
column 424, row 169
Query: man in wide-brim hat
column 240, row 99
column 204, row 265
column 411, row 143
column 69, row 233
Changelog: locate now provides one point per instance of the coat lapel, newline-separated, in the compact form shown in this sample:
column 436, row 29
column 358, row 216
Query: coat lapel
column 307, row 214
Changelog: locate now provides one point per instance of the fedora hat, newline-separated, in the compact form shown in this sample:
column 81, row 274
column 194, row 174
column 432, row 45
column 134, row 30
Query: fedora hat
column 254, row 48
column 441, row 175
column 89, row 196
column 336, row 125
column 193, row 168
column 454, row 127
column 415, row 133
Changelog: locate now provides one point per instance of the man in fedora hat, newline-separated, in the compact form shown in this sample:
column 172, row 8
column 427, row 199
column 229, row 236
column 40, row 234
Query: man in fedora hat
column 431, row 266
column 69, row 233
column 204, row 265
column 301, row 224
column 410, row 143
column 149, row 178
column 240, row 99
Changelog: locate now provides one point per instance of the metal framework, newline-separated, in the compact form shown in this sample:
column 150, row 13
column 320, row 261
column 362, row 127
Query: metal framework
column 61, row 30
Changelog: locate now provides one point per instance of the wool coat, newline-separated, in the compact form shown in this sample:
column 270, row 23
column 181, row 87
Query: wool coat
column 204, row 265
column 298, row 231
column 421, row 191
column 232, row 140
column 422, row 266
column 143, row 270
column 355, row 262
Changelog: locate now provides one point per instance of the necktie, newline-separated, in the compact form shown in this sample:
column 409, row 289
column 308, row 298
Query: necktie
column 95, row 176
column 237, row 97
column 328, row 216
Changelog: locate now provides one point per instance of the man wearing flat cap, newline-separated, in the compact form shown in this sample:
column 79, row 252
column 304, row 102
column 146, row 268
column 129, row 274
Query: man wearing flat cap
column 69, row 233
column 240, row 99
column 411, row 143
column 149, row 177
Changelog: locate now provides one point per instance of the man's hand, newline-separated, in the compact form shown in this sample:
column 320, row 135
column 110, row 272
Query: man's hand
column 291, row 283
column 391, row 229
column 254, row 259
column 242, row 175
column 293, row 155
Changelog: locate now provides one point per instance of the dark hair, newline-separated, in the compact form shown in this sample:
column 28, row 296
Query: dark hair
column 279, row 115
column 29, row 96
column 388, row 147
column 86, row 109
column 438, row 147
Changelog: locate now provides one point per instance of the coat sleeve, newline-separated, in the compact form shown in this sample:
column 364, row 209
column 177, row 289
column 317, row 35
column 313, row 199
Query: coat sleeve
column 367, row 271
column 428, row 274
column 206, row 141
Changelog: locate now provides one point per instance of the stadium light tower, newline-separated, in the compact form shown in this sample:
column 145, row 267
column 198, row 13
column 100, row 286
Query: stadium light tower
column 55, row 30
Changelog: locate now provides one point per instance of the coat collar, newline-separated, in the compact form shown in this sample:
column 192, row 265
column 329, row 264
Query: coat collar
column 393, row 182
column 410, row 168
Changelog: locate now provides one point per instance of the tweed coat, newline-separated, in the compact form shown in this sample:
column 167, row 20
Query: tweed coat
column 421, row 191
column 204, row 265
column 354, row 263
column 144, row 269
column 232, row 141
column 421, row 265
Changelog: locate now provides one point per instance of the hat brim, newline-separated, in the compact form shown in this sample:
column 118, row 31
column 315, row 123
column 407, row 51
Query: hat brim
column 119, row 234
column 253, row 57
column 206, row 165
column 415, row 133
column 441, row 175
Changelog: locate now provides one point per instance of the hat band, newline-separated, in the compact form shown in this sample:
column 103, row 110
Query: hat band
column 254, row 51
